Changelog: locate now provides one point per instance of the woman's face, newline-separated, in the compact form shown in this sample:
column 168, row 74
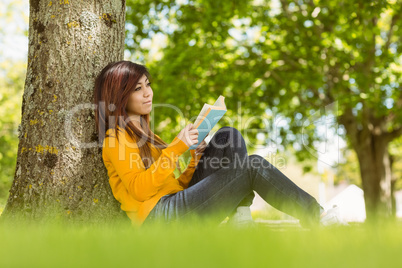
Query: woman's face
column 140, row 100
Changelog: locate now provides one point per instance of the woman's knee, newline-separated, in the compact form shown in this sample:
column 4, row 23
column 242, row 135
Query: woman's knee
column 232, row 131
column 256, row 161
column 233, row 136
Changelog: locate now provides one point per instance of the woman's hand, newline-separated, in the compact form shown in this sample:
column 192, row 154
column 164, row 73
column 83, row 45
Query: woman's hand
column 189, row 135
column 201, row 147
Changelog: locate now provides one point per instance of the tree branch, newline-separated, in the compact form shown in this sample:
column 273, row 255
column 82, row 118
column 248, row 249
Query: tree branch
column 325, row 98
column 348, row 120
column 394, row 19
column 311, row 4
column 277, row 78
column 285, row 9
column 398, row 105
column 394, row 134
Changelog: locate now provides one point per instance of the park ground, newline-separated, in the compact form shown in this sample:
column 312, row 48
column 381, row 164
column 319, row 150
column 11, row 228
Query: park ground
column 200, row 245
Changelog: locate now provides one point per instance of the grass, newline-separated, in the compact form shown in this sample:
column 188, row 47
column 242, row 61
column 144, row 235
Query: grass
column 198, row 245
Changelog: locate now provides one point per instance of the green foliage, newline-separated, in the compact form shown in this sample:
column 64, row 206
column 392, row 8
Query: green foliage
column 12, row 77
column 300, row 60
column 197, row 65
column 348, row 169
column 11, row 89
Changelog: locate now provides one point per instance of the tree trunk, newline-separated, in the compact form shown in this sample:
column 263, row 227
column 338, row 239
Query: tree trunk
column 393, row 182
column 59, row 165
column 375, row 169
column 370, row 140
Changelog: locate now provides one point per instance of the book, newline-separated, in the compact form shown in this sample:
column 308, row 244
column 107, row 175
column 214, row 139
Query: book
column 208, row 117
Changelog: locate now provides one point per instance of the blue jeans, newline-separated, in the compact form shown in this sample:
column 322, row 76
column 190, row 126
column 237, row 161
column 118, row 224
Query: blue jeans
column 226, row 177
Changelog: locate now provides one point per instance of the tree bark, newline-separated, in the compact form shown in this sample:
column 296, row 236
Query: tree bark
column 375, row 171
column 60, row 172
column 370, row 141
column 393, row 182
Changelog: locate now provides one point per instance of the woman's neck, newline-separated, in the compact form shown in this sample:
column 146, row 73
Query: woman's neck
column 135, row 120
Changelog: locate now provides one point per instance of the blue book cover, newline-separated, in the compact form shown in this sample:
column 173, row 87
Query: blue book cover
column 207, row 119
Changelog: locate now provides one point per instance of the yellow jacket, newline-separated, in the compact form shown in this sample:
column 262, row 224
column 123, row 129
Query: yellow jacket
column 138, row 190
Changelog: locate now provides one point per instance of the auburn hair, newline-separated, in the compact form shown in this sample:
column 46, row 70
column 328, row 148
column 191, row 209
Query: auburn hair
column 113, row 87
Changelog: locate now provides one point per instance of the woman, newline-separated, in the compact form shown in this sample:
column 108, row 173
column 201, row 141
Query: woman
column 219, row 179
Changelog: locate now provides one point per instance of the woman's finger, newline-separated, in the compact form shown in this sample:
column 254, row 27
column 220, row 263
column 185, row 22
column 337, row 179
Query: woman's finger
column 201, row 147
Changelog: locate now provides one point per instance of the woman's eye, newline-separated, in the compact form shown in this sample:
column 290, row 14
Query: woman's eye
column 138, row 88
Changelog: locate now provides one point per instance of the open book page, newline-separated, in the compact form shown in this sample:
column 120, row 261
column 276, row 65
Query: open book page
column 219, row 105
column 220, row 102
column 208, row 117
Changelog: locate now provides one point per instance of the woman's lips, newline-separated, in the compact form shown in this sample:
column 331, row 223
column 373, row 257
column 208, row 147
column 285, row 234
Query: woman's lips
column 149, row 102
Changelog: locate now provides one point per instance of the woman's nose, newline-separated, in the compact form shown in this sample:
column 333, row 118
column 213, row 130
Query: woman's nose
column 148, row 92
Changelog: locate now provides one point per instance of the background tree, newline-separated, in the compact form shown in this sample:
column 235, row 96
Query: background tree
column 69, row 43
column 11, row 86
column 396, row 167
column 12, row 74
column 290, row 59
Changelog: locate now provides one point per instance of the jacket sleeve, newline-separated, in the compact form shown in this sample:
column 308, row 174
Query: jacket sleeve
column 185, row 178
column 142, row 184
